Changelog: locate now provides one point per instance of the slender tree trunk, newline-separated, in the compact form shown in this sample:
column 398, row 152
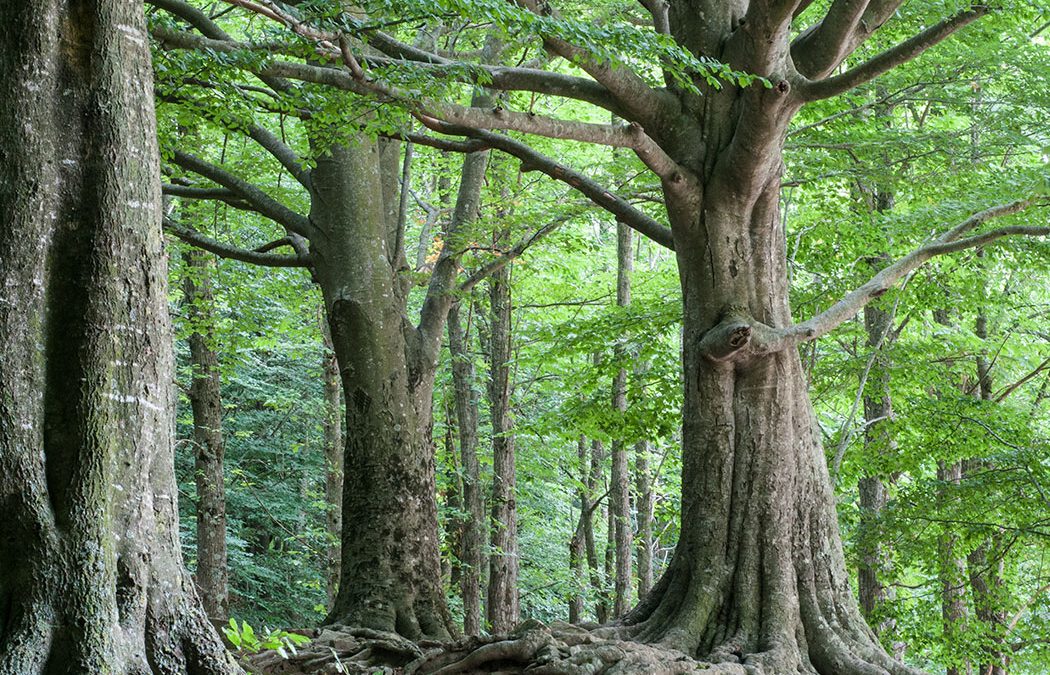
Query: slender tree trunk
column 953, row 579
column 620, row 493
column 333, row 461
column 93, row 580
column 502, row 605
column 644, row 506
column 451, row 565
column 472, row 536
column 985, row 568
column 577, row 545
column 209, row 448
column 596, row 479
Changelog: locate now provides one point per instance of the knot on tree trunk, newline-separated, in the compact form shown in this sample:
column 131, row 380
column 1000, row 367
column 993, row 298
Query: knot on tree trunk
column 729, row 339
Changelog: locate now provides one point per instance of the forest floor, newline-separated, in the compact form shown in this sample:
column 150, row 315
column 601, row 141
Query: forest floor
column 533, row 648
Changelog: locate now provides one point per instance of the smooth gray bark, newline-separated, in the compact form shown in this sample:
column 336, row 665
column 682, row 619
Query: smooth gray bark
column 333, row 460
column 92, row 575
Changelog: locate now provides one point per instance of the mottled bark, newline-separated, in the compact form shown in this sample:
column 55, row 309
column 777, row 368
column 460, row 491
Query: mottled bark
column 333, row 462
column 502, row 603
column 472, row 534
column 596, row 479
column 212, row 574
column 577, row 545
column 93, row 580
column 758, row 575
column 390, row 576
column 644, row 505
column 620, row 492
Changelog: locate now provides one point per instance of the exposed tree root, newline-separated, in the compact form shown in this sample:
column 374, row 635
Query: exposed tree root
column 531, row 649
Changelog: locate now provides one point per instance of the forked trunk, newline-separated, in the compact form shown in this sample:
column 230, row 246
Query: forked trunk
column 91, row 576
column 390, row 576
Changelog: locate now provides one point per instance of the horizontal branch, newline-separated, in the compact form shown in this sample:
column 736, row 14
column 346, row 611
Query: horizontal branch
column 256, row 197
column 891, row 58
column 950, row 242
column 194, row 238
column 737, row 336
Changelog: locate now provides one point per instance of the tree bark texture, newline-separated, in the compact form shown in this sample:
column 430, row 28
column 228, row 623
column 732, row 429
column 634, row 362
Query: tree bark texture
column 472, row 534
column 92, row 576
column 598, row 504
column 644, row 505
column 577, row 544
column 390, row 576
column 333, row 461
column 209, row 447
column 502, row 604
column 620, row 478
column 952, row 572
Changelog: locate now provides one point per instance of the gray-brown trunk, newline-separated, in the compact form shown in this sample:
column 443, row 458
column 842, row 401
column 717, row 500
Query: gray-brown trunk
column 209, row 448
column 93, row 580
column 472, row 534
column 644, row 504
column 619, row 490
column 333, row 461
column 390, row 577
column 501, row 606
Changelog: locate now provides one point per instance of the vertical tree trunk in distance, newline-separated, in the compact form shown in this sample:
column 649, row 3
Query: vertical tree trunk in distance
column 596, row 479
column 577, row 550
column 620, row 491
column 472, row 535
column 333, row 462
column 986, row 575
column 644, row 505
column 93, row 579
column 209, row 447
column 953, row 579
column 501, row 606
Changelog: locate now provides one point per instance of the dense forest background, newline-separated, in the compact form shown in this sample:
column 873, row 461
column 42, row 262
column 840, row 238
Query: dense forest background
column 933, row 404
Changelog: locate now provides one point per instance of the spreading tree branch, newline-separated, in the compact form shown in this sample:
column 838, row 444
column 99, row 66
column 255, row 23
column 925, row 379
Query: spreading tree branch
column 253, row 195
column 889, row 59
column 532, row 160
column 256, row 257
column 738, row 335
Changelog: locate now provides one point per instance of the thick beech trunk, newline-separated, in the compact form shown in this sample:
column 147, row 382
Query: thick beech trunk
column 390, row 576
column 472, row 534
column 209, row 448
column 501, row 607
column 333, row 461
column 92, row 578
column 619, row 490
column 758, row 575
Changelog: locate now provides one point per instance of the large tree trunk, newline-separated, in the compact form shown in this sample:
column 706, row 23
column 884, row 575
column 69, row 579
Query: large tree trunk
column 758, row 575
column 390, row 577
column 92, row 578
column 209, row 448
column 501, row 605
column 620, row 492
column 472, row 534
